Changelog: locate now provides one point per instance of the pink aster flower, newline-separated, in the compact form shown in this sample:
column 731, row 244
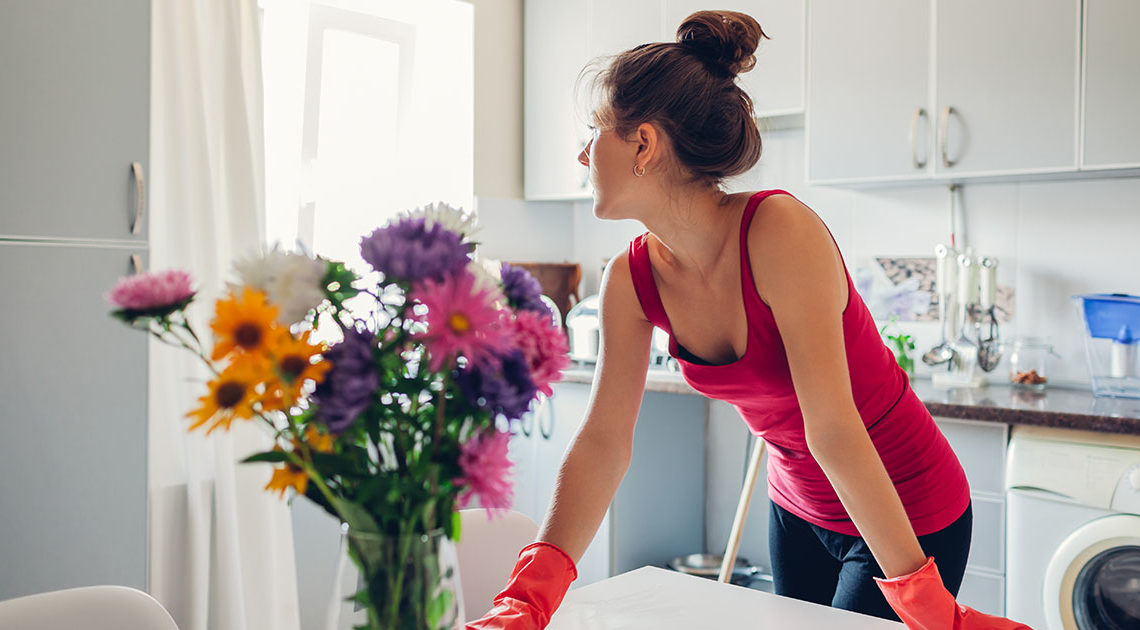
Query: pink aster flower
column 486, row 470
column 462, row 319
column 544, row 346
column 154, row 291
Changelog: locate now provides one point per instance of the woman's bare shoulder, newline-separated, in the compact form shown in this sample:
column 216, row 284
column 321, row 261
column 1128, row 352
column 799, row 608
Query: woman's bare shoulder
column 619, row 296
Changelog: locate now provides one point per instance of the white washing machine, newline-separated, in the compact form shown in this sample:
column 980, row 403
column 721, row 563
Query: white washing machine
column 1073, row 530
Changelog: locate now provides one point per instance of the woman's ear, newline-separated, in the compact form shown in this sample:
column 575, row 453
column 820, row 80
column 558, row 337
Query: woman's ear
column 648, row 139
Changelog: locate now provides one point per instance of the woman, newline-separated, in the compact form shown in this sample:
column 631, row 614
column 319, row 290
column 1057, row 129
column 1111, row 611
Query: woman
column 762, row 314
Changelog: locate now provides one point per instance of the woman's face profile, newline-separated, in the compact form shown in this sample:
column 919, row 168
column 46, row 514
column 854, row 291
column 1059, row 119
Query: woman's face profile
column 611, row 161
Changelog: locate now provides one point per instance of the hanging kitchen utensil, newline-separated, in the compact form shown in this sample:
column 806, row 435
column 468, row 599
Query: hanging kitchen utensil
column 989, row 348
column 945, row 264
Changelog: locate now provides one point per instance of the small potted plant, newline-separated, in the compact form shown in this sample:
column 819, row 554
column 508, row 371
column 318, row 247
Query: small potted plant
column 901, row 344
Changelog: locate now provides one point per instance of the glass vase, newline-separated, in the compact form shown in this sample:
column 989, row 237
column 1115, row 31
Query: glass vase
column 408, row 582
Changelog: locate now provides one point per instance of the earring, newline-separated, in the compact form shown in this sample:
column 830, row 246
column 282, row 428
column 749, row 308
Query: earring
column 638, row 170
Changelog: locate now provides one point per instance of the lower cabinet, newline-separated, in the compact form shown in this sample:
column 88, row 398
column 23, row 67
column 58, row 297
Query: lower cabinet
column 981, row 446
column 664, row 483
column 73, row 458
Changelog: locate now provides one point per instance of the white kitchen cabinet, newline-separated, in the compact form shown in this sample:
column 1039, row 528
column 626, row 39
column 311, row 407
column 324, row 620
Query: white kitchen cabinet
column 1006, row 86
column 664, row 483
column 1111, row 85
column 776, row 84
column 868, row 111
column 554, row 128
column 75, row 78
column 976, row 89
column 562, row 38
column 983, row 592
column 981, row 448
column 73, row 459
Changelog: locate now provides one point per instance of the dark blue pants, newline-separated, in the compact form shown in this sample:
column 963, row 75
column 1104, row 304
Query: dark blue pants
column 818, row 565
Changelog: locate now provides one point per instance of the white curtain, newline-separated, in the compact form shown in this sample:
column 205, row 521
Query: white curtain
column 221, row 548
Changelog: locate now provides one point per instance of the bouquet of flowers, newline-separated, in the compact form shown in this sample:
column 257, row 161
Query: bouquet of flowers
column 403, row 417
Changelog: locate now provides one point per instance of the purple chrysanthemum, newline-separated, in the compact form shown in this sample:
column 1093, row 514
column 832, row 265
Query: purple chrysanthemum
column 503, row 387
column 410, row 249
column 348, row 386
column 522, row 290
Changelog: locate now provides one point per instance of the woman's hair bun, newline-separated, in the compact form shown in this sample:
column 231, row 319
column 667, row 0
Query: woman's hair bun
column 726, row 40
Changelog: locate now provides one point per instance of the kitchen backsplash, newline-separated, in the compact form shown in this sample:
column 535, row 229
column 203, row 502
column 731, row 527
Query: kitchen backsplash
column 1053, row 239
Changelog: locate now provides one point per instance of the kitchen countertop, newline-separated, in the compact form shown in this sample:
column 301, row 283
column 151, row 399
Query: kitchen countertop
column 1052, row 407
column 657, row 380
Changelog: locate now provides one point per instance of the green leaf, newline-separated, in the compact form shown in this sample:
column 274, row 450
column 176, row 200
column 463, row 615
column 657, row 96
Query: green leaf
column 268, row 456
column 355, row 515
column 333, row 464
column 456, row 526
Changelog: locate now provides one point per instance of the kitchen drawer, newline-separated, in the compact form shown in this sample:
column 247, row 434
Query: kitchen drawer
column 983, row 592
column 987, row 549
column 980, row 447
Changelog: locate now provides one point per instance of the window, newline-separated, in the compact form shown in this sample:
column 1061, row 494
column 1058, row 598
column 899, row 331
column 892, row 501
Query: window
column 368, row 111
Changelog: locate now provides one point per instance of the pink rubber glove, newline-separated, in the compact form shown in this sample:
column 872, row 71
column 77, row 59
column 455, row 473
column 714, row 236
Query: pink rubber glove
column 923, row 603
column 536, row 587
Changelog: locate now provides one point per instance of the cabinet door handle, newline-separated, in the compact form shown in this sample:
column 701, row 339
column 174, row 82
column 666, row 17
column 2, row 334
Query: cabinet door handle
column 943, row 132
column 918, row 160
column 546, row 433
column 140, row 196
column 136, row 264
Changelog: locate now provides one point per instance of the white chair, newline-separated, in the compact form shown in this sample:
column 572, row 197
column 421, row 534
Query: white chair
column 487, row 551
column 86, row 608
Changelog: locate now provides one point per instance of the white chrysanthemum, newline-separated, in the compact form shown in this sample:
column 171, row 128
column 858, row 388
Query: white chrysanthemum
column 454, row 219
column 486, row 274
column 291, row 281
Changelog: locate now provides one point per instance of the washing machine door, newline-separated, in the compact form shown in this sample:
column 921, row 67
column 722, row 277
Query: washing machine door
column 1093, row 580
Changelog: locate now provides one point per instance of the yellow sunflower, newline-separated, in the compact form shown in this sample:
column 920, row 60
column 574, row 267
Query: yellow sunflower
column 293, row 365
column 288, row 476
column 231, row 396
column 248, row 324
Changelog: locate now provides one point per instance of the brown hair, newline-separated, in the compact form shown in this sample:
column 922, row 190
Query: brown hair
column 689, row 89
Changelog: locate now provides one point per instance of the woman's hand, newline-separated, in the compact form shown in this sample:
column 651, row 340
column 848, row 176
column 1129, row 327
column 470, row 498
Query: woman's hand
column 536, row 587
column 923, row 603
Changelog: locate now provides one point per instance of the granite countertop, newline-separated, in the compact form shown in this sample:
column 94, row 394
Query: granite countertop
column 1053, row 407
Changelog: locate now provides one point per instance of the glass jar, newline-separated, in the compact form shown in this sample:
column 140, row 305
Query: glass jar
column 1029, row 361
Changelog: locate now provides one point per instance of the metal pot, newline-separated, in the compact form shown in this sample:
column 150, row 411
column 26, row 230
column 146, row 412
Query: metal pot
column 707, row 565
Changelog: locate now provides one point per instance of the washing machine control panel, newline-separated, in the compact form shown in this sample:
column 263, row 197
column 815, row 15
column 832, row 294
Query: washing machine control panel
column 1127, row 496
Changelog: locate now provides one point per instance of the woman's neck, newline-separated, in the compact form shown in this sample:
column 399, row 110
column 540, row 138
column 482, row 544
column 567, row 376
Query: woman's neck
column 695, row 230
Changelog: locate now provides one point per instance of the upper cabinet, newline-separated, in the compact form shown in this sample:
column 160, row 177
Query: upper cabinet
column 1112, row 85
column 980, row 88
column 554, row 131
column 562, row 37
column 868, row 90
column 76, row 83
column 1006, row 91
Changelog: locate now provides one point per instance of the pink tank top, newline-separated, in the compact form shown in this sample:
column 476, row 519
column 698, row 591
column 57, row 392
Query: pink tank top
column 925, row 471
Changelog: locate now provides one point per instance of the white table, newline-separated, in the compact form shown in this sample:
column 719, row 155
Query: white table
column 653, row 598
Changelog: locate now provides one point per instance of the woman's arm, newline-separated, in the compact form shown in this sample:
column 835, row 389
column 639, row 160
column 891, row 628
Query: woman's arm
column 800, row 275
column 600, row 454
column 592, row 468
